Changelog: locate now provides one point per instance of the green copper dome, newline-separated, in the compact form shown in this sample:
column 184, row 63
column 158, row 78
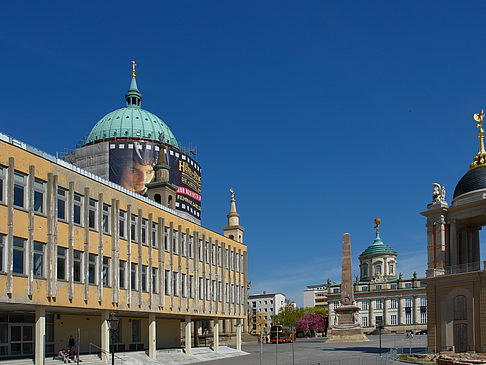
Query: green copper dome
column 132, row 122
column 378, row 247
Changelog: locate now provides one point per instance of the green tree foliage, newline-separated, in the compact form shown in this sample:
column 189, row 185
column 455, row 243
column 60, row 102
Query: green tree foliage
column 290, row 313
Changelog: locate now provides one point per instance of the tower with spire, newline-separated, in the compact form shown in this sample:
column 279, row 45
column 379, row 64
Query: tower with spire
column 233, row 230
column 161, row 190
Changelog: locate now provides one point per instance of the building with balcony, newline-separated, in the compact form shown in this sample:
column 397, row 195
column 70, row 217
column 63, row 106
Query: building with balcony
column 315, row 296
column 455, row 276
column 261, row 309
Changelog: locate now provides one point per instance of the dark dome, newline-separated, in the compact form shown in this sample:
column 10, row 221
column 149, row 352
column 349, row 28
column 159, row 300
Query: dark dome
column 474, row 179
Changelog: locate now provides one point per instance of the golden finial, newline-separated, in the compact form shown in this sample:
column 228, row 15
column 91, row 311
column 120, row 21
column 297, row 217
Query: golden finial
column 377, row 224
column 232, row 194
column 480, row 158
column 133, row 68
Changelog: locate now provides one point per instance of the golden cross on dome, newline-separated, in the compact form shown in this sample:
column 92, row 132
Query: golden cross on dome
column 133, row 68
column 377, row 224
column 480, row 158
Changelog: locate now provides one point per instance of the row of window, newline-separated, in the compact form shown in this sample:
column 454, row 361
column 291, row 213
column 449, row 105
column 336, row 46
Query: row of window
column 394, row 319
column 377, row 269
column 211, row 253
column 393, row 303
column 175, row 283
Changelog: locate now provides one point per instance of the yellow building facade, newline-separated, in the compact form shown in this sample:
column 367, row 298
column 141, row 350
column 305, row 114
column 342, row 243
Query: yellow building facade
column 75, row 248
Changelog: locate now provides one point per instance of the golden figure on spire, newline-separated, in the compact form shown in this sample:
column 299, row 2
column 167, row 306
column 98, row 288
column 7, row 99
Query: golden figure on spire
column 133, row 68
column 480, row 158
column 377, row 224
column 232, row 194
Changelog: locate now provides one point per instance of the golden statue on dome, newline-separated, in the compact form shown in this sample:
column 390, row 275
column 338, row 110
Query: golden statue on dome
column 480, row 158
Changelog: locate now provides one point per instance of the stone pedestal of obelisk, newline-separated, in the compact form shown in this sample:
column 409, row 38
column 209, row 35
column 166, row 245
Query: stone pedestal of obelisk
column 347, row 328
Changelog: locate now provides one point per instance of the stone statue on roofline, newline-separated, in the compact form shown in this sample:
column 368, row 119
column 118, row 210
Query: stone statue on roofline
column 438, row 194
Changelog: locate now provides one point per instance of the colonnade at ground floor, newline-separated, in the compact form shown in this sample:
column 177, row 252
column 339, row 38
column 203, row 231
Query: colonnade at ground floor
column 40, row 331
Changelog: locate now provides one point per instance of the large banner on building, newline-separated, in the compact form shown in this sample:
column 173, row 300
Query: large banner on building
column 132, row 166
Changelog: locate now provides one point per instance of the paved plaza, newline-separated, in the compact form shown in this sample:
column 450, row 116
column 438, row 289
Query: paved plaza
column 316, row 351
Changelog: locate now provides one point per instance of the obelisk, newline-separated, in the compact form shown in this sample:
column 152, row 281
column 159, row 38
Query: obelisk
column 347, row 328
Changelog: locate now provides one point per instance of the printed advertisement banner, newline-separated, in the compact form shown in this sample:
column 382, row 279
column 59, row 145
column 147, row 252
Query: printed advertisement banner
column 132, row 166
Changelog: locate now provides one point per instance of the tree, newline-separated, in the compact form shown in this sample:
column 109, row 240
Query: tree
column 311, row 323
column 288, row 315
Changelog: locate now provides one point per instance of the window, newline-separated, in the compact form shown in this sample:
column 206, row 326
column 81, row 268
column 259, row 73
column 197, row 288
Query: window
column 219, row 255
column 183, row 286
column 207, row 253
column 364, row 305
column 241, row 263
column 335, row 305
column 191, row 286
column 378, row 287
column 379, row 304
column 183, row 244
column 393, row 303
column 460, row 308
column 167, row 282
column 144, row 277
column 213, row 254
column 393, row 320
column 191, row 247
column 364, row 321
column 154, row 235
column 106, row 218
column 19, row 189
column 133, row 228
column 335, row 290
column 61, row 263
column 237, row 268
column 154, row 280
column 135, row 330
column 18, row 255
column 226, row 259
column 200, row 249
column 133, row 276
column 364, row 288
column 38, row 264
column 207, row 289
column 106, row 271
column 92, row 213
column 166, row 239
column 144, row 231
column 175, row 283
column 390, row 269
column 232, row 262
column 408, row 285
column 175, row 243
column 92, row 261
column 226, row 296
column 408, row 302
column 39, row 194
column 393, row 286
column 2, row 252
column 201, row 288
column 61, row 203
column 122, row 278
column 232, row 293
column 220, row 291
column 423, row 317
column 77, row 265
column 378, row 269
column 408, row 317
column 122, row 219
column 364, row 270
column 213, row 289
column 423, row 301
column 2, row 183
column 77, row 209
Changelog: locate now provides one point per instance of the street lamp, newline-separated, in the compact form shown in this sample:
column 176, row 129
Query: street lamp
column 113, row 326
column 380, row 326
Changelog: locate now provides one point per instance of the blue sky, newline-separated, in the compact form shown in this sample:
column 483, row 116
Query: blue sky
column 321, row 115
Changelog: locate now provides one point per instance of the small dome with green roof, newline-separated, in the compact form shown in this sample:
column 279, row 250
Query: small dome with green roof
column 378, row 248
column 132, row 122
